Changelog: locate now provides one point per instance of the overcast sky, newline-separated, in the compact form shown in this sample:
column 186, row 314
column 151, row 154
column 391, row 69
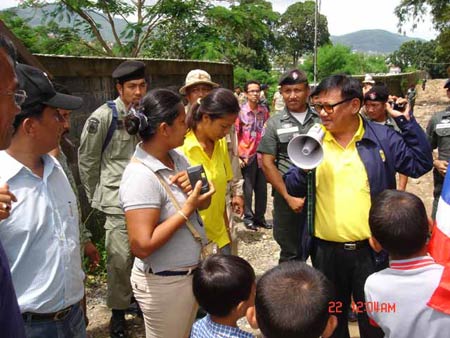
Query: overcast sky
column 346, row 16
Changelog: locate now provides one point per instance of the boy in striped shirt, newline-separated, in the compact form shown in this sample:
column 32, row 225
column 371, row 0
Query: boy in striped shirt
column 399, row 298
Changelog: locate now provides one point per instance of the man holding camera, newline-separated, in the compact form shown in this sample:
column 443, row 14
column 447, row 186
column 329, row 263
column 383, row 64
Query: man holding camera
column 378, row 109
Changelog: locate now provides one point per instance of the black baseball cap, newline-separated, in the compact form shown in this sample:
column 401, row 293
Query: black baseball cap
column 40, row 90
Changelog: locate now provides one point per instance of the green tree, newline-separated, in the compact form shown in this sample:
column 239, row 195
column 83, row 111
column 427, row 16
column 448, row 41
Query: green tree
column 240, row 34
column 130, row 42
column 415, row 55
column 340, row 59
column 296, row 30
column 414, row 10
column 45, row 39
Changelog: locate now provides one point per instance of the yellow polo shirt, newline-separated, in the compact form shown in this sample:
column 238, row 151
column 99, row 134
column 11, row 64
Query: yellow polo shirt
column 342, row 192
column 218, row 170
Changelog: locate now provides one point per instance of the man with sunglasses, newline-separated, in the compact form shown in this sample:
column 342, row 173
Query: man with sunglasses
column 105, row 150
column 41, row 236
column 11, row 322
column 360, row 161
column 296, row 118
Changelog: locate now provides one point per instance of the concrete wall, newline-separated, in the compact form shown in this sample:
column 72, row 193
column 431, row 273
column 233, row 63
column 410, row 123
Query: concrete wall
column 397, row 83
column 90, row 78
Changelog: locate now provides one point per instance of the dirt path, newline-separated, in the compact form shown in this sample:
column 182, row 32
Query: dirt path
column 259, row 248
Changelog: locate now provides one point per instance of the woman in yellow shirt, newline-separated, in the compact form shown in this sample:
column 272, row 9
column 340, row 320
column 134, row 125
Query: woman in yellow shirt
column 209, row 121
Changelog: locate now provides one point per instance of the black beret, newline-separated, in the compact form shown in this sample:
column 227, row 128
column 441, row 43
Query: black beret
column 293, row 76
column 129, row 70
column 377, row 93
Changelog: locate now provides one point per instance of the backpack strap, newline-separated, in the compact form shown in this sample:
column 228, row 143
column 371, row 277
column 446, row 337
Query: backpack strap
column 113, row 126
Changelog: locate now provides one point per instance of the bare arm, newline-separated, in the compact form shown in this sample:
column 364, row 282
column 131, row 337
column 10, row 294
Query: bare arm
column 274, row 177
column 402, row 182
column 146, row 235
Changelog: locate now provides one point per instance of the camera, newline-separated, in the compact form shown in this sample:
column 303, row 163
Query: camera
column 195, row 174
column 398, row 106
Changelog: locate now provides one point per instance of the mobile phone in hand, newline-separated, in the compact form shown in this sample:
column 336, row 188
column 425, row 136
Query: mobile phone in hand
column 197, row 173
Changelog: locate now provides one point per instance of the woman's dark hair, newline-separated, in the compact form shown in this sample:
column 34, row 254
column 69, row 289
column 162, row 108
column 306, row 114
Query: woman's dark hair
column 158, row 106
column 217, row 104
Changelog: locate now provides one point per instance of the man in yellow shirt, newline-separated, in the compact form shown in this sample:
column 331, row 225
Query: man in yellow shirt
column 360, row 160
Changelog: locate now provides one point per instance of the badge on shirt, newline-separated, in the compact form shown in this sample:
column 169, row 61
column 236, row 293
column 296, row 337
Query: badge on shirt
column 92, row 127
column 383, row 157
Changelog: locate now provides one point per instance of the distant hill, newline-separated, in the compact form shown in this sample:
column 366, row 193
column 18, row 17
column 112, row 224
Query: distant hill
column 375, row 41
column 36, row 17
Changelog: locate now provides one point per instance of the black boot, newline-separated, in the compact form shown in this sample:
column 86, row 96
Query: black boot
column 117, row 325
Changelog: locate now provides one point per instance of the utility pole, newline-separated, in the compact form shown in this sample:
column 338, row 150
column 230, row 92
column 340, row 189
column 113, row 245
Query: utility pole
column 316, row 17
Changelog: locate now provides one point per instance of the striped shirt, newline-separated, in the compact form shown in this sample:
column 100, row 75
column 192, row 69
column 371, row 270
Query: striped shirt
column 206, row 328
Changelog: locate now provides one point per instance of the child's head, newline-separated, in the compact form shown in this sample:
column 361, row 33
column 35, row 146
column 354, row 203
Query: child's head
column 292, row 300
column 399, row 223
column 224, row 282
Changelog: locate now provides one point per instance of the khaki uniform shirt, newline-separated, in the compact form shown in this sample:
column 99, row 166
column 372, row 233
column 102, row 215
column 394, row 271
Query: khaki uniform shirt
column 438, row 132
column 101, row 173
column 280, row 129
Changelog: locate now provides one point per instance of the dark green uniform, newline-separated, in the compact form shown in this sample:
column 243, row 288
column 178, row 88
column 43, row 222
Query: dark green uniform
column 101, row 173
column 438, row 132
column 280, row 129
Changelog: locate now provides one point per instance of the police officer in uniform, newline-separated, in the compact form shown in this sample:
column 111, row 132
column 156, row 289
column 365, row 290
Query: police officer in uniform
column 295, row 119
column 377, row 109
column 438, row 132
column 105, row 150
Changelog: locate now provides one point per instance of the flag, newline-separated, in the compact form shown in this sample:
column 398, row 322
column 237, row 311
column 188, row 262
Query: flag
column 439, row 246
column 439, row 249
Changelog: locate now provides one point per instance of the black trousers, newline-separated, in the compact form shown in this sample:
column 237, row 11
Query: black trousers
column 348, row 271
column 254, row 181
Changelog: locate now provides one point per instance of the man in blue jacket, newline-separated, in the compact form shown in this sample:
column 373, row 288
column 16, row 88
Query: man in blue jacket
column 360, row 160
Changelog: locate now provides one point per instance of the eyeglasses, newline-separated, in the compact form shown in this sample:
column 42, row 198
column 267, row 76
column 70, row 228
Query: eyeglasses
column 329, row 108
column 19, row 96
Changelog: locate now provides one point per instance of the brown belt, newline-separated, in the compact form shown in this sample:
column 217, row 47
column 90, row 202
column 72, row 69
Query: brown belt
column 59, row 315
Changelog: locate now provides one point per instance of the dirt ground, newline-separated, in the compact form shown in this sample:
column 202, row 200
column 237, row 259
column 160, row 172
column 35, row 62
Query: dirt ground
column 259, row 248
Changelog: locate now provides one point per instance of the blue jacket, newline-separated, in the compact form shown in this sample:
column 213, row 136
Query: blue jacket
column 383, row 153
